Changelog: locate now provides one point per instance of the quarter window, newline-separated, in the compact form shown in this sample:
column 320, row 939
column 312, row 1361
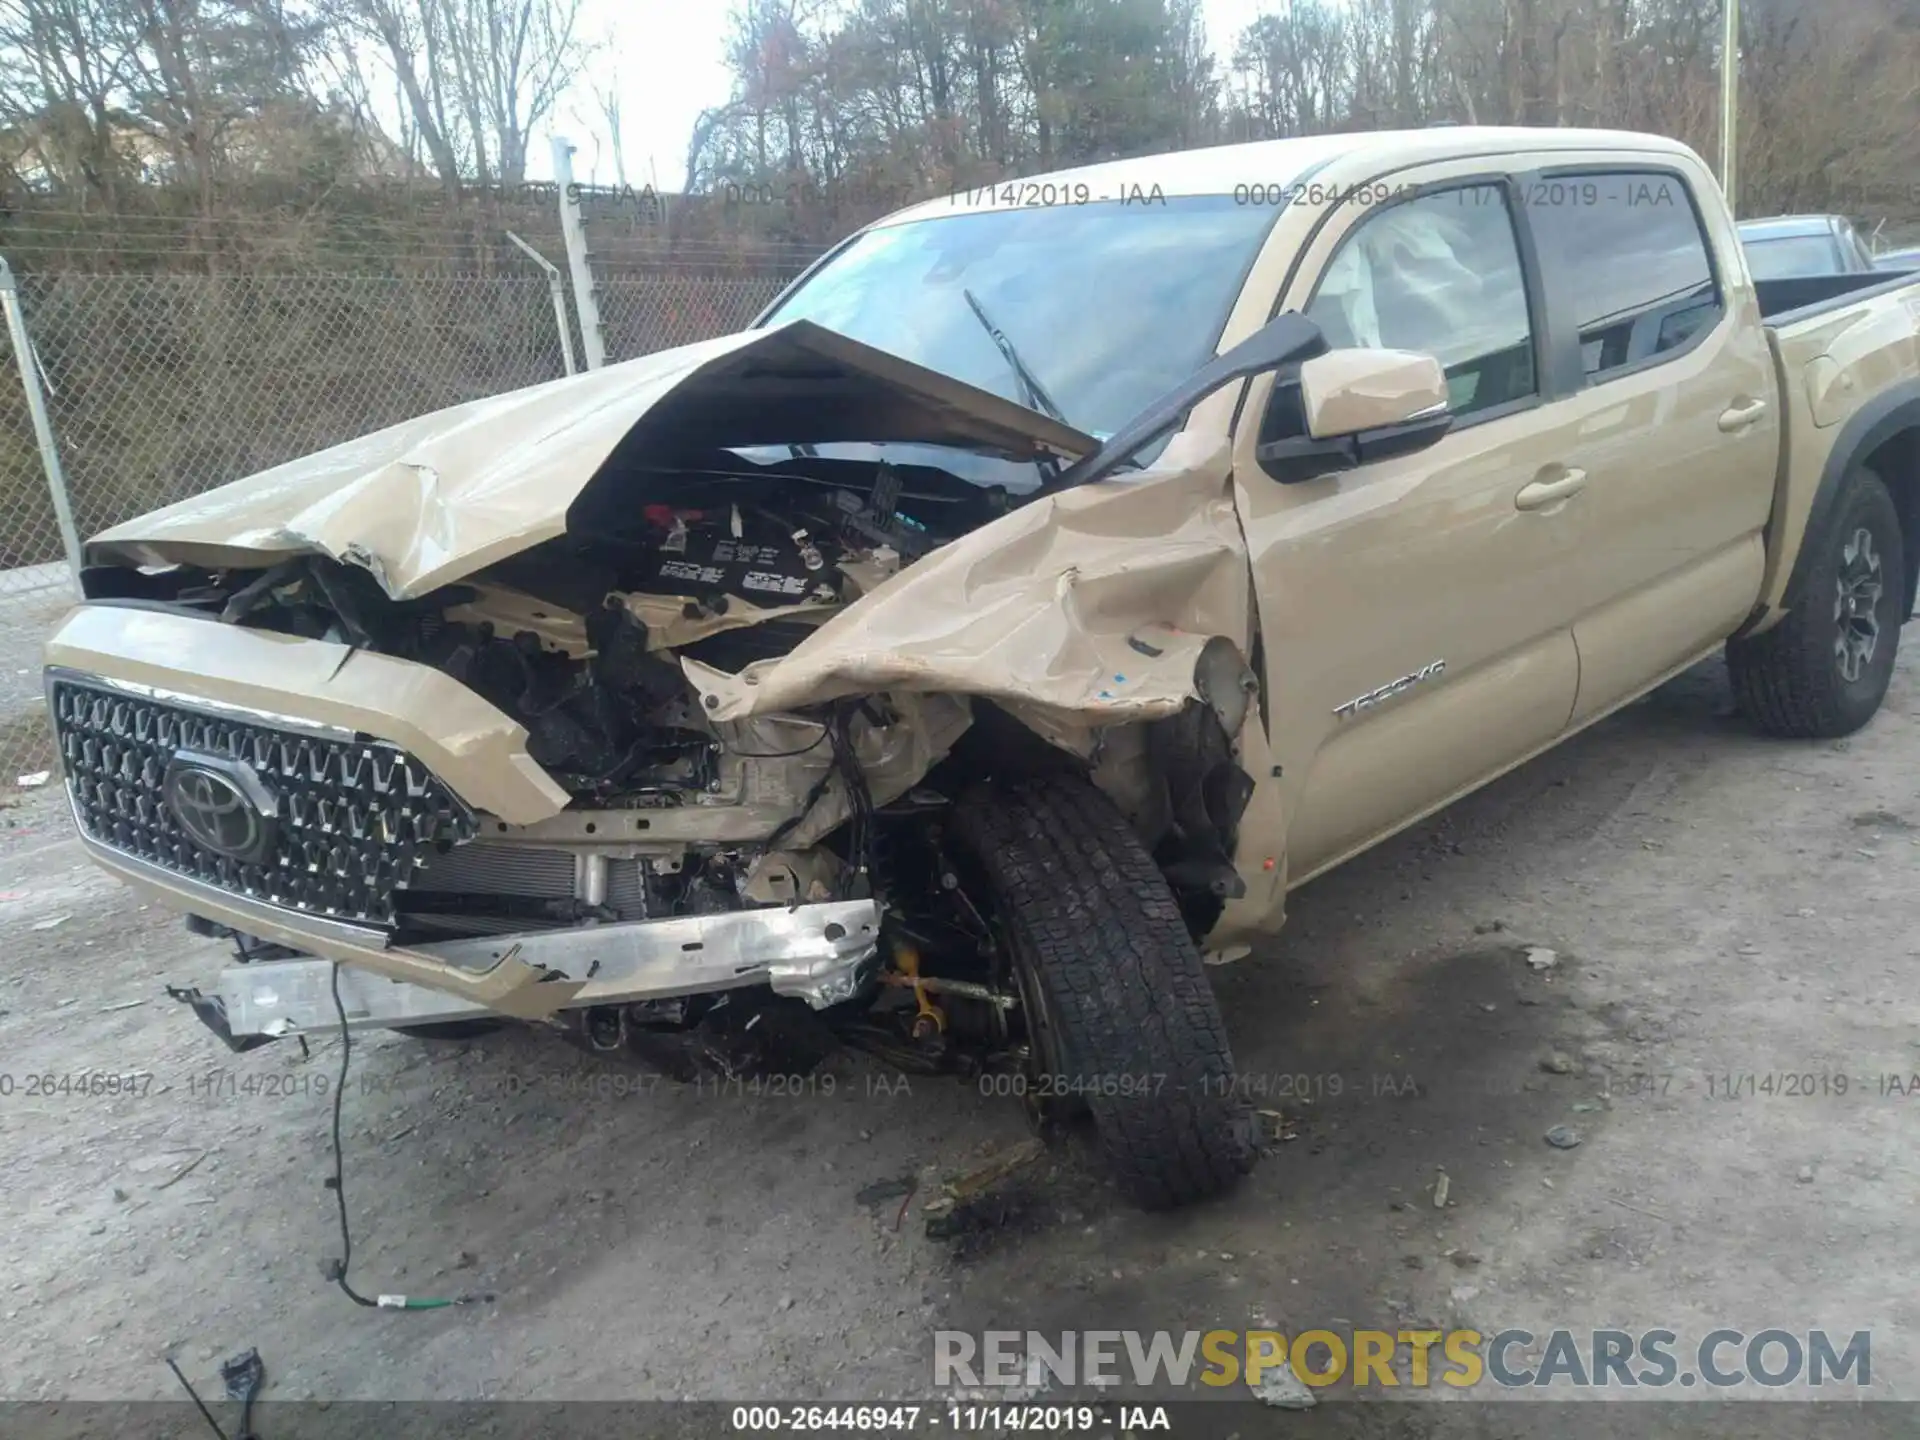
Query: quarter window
column 1631, row 253
column 1439, row 274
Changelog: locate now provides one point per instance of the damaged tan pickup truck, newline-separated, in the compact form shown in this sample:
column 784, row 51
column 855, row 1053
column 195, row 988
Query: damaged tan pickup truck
column 1051, row 579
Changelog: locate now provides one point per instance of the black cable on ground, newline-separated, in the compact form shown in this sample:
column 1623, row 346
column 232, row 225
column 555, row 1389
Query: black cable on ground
column 194, row 1395
column 337, row 1183
column 245, row 1374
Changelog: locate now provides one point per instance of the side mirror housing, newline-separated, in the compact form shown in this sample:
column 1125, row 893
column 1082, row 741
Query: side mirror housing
column 1350, row 407
column 1280, row 342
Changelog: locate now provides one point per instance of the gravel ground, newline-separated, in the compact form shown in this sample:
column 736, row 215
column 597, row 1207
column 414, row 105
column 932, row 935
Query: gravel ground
column 1719, row 905
column 32, row 600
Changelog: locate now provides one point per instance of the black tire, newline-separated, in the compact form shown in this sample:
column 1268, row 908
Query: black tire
column 1789, row 681
column 1132, row 1023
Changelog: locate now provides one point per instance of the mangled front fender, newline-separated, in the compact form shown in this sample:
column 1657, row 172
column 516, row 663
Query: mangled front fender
column 1084, row 609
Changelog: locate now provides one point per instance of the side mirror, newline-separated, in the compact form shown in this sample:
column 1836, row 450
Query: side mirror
column 1281, row 341
column 1350, row 407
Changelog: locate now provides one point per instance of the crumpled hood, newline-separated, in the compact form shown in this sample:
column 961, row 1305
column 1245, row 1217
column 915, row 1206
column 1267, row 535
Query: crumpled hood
column 1086, row 608
column 1082, row 609
column 434, row 499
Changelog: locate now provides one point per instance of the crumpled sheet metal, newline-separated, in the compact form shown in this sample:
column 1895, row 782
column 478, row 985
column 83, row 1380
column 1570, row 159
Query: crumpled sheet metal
column 431, row 499
column 1088, row 608
column 434, row 499
column 670, row 624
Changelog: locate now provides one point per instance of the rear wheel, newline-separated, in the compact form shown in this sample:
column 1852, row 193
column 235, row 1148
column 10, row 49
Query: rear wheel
column 1823, row 670
column 1119, row 1012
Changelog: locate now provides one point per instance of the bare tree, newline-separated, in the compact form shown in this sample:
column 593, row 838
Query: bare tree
column 64, row 67
column 413, row 38
column 478, row 76
column 1298, row 68
column 607, row 102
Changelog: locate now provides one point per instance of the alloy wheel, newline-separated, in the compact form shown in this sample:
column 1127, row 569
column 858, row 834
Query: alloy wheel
column 1856, row 605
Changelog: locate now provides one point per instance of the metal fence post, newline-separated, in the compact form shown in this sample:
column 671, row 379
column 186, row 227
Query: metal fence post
column 1730, row 101
column 558, row 290
column 42, row 427
column 585, row 302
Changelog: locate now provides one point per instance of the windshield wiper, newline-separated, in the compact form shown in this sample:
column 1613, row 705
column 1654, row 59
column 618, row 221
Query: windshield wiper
column 1036, row 394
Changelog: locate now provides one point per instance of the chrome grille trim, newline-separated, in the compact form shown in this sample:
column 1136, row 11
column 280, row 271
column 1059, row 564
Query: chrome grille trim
column 244, row 714
column 356, row 817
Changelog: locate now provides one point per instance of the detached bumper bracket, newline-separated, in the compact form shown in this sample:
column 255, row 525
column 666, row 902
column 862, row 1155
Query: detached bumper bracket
column 823, row 954
column 212, row 1011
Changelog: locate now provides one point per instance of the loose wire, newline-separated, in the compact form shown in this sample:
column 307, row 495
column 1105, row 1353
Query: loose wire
column 336, row 1182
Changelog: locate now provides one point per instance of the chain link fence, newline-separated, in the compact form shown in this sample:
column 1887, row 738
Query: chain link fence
column 652, row 313
column 162, row 386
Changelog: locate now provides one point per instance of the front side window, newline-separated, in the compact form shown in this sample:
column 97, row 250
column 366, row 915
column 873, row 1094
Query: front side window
column 1629, row 248
column 1439, row 274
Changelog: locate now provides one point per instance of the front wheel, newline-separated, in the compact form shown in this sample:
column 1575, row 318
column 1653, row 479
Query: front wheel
column 1823, row 670
column 1119, row 1013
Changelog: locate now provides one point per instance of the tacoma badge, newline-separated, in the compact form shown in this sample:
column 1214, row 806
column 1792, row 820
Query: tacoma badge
column 1388, row 691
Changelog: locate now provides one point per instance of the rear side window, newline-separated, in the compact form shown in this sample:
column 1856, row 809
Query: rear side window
column 1631, row 251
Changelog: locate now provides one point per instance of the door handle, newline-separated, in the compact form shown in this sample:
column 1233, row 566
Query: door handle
column 1541, row 493
column 1738, row 417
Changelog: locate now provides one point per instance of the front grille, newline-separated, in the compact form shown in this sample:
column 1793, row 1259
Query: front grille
column 355, row 818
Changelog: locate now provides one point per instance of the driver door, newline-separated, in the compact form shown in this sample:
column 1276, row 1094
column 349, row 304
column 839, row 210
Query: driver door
column 1415, row 638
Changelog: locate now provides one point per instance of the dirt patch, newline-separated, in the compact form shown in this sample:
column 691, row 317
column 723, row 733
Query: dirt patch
column 1713, row 921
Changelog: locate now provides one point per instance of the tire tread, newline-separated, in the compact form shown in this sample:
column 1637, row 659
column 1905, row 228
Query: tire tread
column 1124, row 982
column 1784, row 679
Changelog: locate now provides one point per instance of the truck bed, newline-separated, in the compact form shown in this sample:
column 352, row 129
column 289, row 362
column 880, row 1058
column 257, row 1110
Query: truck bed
column 1801, row 296
column 1848, row 364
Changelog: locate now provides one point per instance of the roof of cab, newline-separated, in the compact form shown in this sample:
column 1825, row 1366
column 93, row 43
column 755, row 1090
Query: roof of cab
column 1787, row 227
column 1220, row 169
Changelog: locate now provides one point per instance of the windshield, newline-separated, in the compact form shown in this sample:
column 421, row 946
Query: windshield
column 1108, row 306
column 1792, row 255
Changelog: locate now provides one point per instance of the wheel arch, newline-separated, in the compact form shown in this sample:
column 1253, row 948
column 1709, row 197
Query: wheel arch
column 1185, row 780
column 1882, row 436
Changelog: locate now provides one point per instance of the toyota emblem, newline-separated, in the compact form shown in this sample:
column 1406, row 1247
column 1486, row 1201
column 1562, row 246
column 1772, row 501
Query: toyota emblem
column 220, row 804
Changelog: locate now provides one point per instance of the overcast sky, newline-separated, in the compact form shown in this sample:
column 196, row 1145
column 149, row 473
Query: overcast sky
column 666, row 55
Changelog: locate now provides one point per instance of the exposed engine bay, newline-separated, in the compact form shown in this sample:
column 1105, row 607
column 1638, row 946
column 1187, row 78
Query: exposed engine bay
column 714, row 709
column 576, row 637
column 728, row 560
column 580, row 639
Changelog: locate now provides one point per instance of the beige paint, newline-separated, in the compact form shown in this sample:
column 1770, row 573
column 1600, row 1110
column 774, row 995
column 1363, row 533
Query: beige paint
column 1485, row 597
column 433, row 500
column 1364, row 777
column 1346, row 391
column 476, row 749
column 1088, row 608
column 669, row 627
column 511, row 611
column 1659, row 625
column 1829, row 367
column 1546, row 618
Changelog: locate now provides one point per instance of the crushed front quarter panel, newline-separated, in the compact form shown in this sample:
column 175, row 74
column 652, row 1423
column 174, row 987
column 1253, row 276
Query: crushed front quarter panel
column 1087, row 608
